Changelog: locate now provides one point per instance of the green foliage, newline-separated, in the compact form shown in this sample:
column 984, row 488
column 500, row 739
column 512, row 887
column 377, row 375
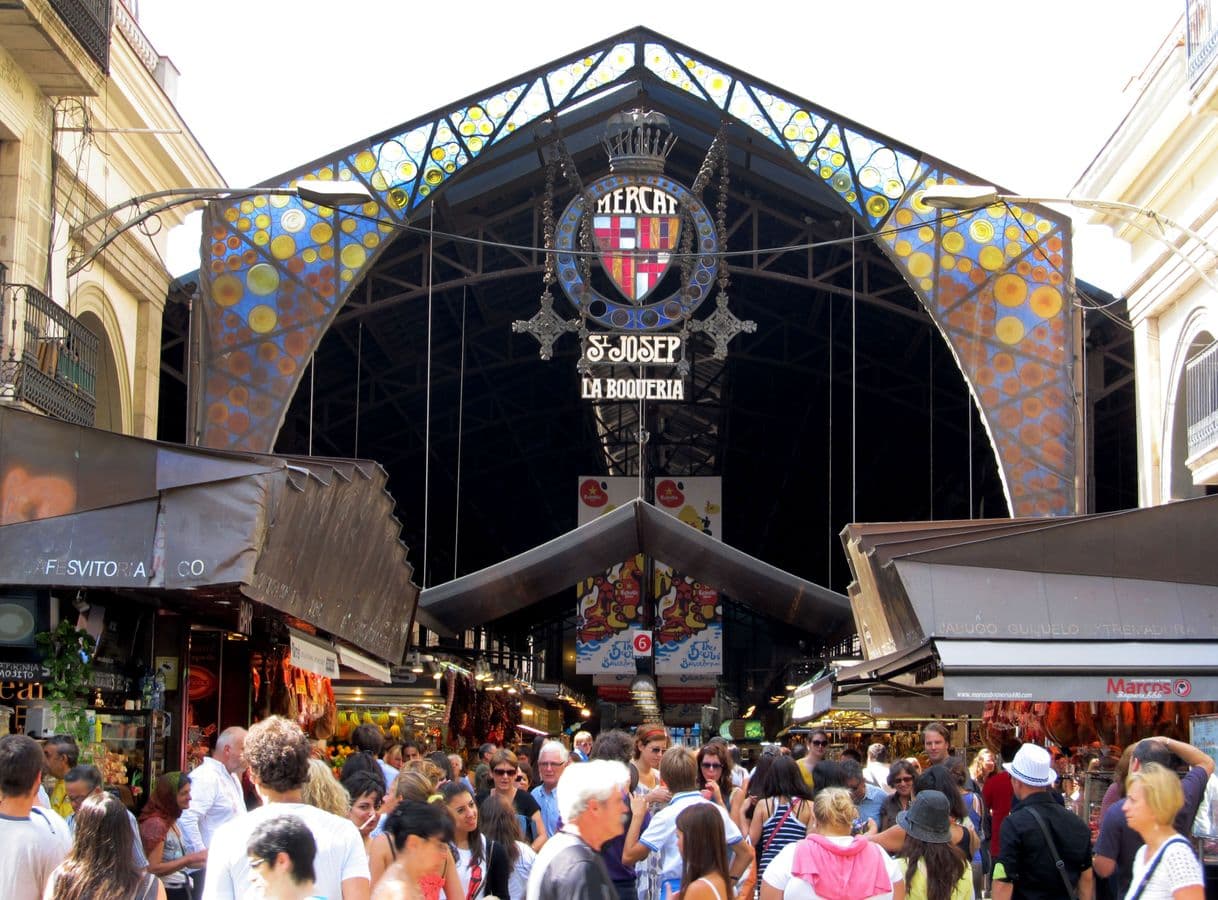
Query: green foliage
column 66, row 660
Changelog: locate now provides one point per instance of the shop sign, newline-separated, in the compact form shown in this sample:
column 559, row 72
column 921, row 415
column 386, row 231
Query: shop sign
column 313, row 658
column 1079, row 688
column 631, row 350
column 812, row 698
column 20, row 688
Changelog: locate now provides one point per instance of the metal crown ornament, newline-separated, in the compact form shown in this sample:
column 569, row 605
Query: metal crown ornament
column 636, row 221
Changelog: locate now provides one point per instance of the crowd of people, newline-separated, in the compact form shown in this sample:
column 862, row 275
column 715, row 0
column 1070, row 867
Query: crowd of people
column 619, row 817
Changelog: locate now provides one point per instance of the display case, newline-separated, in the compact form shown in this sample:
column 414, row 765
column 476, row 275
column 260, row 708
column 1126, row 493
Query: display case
column 129, row 747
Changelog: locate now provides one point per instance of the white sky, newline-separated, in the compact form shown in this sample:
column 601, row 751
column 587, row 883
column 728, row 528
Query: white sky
column 1023, row 94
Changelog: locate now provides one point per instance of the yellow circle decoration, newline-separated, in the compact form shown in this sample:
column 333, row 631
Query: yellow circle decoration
column 1009, row 330
column 947, row 262
column 227, row 290
column 953, row 242
column 279, row 201
column 231, row 214
column 926, row 233
column 348, row 225
column 247, row 206
column 262, row 319
column 1046, row 301
column 365, row 162
column 283, row 247
column 321, row 232
column 877, row 205
column 902, row 248
column 920, row 265
column 981, row 231
column 353, row 256
column 990, row 258
column 262, row 220
column 372, row 239
column 1010, row 290
column 261, row 238
column 326, row 251
column 309, row 255
column 904, row 216
column 262, row 279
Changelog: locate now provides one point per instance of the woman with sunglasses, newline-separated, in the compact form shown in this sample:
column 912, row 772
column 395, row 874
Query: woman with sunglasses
column 715, row 775
column 650, row 742
column 901, row 777
column 505, row 769
column 482, row 864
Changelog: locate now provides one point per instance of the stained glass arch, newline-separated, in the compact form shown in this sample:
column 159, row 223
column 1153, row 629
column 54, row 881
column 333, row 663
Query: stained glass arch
column 997, row 282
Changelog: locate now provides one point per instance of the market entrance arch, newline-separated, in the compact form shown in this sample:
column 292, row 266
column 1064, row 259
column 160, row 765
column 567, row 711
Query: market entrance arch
column 997, row 283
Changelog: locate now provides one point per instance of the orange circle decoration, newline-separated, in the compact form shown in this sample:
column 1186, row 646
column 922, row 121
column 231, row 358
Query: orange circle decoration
column 1009, row 330
column 1010, row 290
column 227, row 290
column 1032, row 374
column 1003, row 362
column 1046, row 301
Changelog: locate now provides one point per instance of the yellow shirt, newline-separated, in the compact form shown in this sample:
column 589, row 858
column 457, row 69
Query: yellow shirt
column 59, row 799
column 917, row 890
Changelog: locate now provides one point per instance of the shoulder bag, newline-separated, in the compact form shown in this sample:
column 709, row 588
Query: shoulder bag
column 1154, row 864
column 1057, row 857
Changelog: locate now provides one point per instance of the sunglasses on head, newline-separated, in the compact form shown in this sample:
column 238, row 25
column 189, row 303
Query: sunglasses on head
column 504, row 773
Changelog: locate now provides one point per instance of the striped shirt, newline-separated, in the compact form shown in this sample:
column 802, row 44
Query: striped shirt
column 791, row 830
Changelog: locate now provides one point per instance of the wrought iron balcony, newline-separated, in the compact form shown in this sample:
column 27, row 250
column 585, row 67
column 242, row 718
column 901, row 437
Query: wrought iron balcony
column 50, row 361
column 1201, row 389
column 1202, row 36
column 89, row 20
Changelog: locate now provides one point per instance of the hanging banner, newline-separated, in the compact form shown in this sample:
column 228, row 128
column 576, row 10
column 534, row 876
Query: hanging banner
column 608, row 602
column 689, row 626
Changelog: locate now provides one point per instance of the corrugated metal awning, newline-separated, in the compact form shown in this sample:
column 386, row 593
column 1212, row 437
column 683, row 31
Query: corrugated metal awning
column 633, row 528
column 313, row 538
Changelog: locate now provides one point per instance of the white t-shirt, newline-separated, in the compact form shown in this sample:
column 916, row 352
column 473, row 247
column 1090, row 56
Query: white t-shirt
column 340, row 851
column 778, row 872
column 1178, row 868
column 518, row 881
column 660, row 835
column 30, row 849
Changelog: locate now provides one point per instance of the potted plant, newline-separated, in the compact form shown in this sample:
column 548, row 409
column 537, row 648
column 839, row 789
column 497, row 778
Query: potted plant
column 66, row 660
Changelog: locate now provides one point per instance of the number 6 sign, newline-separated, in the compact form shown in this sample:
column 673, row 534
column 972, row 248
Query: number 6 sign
column 641, row 641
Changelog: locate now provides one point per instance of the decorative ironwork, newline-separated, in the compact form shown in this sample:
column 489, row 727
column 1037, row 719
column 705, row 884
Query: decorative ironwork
column 1202, row 34
column 546, row 325
column 1201, row 393
column 89, row 21
column 51, row 358
column 274, row 275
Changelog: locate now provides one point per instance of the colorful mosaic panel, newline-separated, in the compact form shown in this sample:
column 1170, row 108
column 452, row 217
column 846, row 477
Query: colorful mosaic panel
column 999, row 280
column 275, row 269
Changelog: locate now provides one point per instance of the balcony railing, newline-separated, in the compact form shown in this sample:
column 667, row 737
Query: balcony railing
column 1201, row 389
column 89, row 20
column 1202, row 36
column 50, row 361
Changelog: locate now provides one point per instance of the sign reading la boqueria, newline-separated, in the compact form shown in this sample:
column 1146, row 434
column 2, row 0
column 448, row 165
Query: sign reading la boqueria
column 633, row 350
column 657, row 247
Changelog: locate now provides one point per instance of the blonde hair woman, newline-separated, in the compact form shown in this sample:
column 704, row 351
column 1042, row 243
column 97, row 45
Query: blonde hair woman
column 983, row 766
column 831, row 862
column 325, row 791
column 1165, row 867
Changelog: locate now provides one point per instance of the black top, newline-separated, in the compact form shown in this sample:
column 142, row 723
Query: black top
column 525, row 805
column 570, row 870
column 1024, row 858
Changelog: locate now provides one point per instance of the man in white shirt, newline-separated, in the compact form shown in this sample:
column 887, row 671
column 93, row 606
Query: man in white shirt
column 215, row 790
column 33, row 841
column 278, row 755
column 678, row 770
